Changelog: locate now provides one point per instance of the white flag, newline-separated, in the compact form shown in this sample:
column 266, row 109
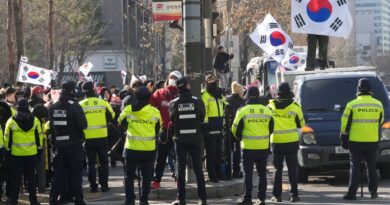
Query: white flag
column 270, row 37
column 24, row 59
column 53, row 74
column 31, row 74
column 86, row 68
column 321, row 17
column 294, row 60
column 123, row 75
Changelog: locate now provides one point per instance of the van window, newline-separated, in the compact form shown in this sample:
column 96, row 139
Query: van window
column 323, row 95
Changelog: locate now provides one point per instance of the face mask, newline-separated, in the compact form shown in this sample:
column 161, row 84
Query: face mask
column 213, row 85
column 172, row 82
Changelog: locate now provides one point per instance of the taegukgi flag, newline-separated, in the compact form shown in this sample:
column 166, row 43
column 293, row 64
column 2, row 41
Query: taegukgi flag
column 31, row 74
column 270, row 37
column 294, row 60
column 321, row 17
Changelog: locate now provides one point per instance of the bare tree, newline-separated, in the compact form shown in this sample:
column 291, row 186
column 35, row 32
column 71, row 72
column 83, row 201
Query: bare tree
column 18, row 14
column 50, row 35
column 10, row 43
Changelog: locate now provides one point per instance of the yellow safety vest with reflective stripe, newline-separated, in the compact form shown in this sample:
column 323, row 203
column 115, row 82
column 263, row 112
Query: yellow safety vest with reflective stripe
column 255, row 133
column 13, row 111
column 1, row 138
column 141, row 128
column 285, row 126
column 46, row 130
column 367, row 115
column 95, row 113
column 23, row 142
column 211, row 106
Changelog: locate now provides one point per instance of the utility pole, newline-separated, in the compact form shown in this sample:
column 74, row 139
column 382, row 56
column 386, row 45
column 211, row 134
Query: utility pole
column 208, row 38
column 193, row 47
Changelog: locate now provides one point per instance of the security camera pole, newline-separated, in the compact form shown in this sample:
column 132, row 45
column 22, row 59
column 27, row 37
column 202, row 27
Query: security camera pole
column 193, row 47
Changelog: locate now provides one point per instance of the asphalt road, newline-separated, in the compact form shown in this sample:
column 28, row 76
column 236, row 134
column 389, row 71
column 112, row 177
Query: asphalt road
column 325, row 189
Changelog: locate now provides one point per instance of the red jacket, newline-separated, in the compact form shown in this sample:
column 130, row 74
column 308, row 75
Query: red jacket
column 160, row 99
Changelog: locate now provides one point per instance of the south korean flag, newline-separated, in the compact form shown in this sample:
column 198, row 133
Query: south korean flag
column 270, row 37
column 321, row 17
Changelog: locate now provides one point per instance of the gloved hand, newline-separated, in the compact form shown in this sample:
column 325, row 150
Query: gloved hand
column 344, row 141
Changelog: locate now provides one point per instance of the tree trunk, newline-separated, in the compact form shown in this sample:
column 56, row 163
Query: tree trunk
column 10, row 43
column 50, row 32
column 18, row 13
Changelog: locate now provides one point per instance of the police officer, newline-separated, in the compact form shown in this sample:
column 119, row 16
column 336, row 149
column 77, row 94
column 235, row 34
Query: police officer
column 323, row 42
column 98, row 113
column 253, row 125
column 23, row 140
column 214, row 105
column 187, row 115
column 67, row 121
column 142, row 122
column 360, row 125
column 287, row 116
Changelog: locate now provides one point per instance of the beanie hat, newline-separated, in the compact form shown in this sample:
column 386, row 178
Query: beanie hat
column 253, row 92
column 9, row 91
column 87, row 87
column 37, row 90
column 177, row 74
column 22, row 106
column 68, row 87
column 284, row 90
column 237, row 88
column 364, row 85
column 142, row 94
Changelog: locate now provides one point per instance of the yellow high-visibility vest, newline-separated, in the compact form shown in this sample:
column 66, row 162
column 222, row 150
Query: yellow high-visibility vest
column 367, row 116
column 24, row 143
column 95, row 113
column 285, row 126
column 256, row 119
column 141, row 129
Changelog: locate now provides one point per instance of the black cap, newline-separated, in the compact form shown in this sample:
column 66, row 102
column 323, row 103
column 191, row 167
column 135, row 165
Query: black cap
column 68, row 87
column 22, row 106
column 182, row 83
column 364, row 85
column 253, row 92
column 10, row 90
column 284, row 90
column 123, row 94
column 87, row 86
column 142, row 94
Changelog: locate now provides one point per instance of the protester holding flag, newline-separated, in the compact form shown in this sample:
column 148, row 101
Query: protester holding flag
column 320, row 19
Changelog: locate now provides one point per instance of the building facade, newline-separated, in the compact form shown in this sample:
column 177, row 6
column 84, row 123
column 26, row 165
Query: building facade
column 372, row 25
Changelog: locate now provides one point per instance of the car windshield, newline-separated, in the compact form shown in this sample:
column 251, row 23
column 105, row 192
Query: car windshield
column 272, row 66
column 328, row 94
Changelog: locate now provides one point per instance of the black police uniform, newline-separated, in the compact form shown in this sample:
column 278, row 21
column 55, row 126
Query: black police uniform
column 67, row 121
column 187, row 115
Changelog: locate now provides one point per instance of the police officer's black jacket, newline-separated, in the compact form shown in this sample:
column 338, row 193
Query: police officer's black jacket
column 187, row 115
column 67, row 111
column 281, row 103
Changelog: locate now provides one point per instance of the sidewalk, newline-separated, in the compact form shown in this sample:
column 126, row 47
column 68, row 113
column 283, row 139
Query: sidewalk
column 166, row 192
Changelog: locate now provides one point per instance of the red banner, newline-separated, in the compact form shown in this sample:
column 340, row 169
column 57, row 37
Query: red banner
column 167, row 10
